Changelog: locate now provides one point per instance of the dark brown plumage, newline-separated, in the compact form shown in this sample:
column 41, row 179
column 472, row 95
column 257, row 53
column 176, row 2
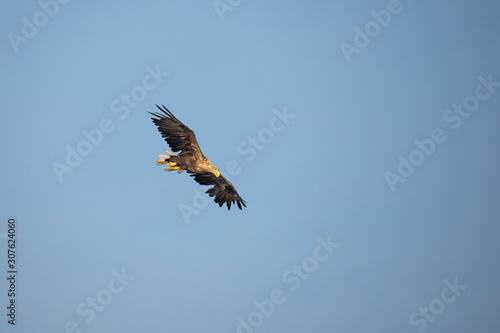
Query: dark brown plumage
column 182, row 139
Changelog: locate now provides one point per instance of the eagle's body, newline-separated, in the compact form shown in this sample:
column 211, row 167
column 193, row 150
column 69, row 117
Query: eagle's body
column 181, row 139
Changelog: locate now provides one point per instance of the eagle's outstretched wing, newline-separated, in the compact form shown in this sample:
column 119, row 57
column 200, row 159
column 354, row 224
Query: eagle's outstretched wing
column 178, row 136
column 224, row 191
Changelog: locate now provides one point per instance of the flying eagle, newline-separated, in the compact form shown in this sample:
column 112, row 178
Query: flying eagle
column 181, row 138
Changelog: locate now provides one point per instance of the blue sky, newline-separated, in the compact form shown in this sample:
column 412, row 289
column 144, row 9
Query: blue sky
column 363, row 136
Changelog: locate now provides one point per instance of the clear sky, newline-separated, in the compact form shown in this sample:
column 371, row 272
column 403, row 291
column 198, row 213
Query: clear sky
column 365, row 138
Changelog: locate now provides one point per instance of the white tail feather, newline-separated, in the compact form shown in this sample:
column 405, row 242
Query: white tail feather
column 164, row 160
column 169, row 153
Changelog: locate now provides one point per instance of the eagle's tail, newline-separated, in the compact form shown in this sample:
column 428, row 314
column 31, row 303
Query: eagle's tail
column 164, row 159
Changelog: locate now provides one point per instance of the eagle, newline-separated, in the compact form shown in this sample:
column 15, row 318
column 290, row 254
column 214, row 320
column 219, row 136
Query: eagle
column 181, row 139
